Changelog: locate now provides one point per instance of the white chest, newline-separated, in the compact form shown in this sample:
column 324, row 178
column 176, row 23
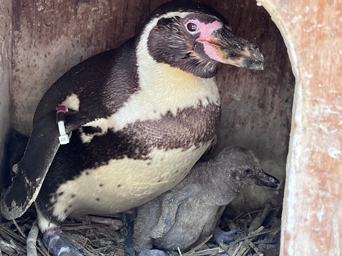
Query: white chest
column 125, row 184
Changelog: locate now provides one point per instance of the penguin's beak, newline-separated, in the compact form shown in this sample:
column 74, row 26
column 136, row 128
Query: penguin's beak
column 236, row 51
column 264, row 179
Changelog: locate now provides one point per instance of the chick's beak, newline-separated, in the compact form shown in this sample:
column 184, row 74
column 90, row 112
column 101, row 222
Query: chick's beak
column 264, row 179
column 236, row 51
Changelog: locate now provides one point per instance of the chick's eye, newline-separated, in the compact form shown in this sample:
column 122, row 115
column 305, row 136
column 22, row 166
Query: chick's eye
column 191, row 27
column 248, row 171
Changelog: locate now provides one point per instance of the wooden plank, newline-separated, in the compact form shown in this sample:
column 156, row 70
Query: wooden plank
column 312, row 205
column 5, row 77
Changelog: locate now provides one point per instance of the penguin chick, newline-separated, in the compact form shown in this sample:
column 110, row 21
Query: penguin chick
column 140, row 116
column 187, row 214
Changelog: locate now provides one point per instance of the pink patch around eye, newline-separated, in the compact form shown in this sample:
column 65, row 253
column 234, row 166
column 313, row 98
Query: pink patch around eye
column 205, row 38
column 207, row 29
column 211, row 52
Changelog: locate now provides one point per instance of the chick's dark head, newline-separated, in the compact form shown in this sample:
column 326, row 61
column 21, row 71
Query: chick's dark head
column 242, row 167
column 195, row 38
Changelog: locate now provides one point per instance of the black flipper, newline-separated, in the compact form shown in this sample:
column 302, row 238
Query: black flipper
column 169, row 211
column 15, row 148
column 31, row 170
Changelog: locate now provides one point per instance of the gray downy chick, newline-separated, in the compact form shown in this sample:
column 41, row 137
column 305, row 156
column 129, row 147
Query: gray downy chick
column 187, row 214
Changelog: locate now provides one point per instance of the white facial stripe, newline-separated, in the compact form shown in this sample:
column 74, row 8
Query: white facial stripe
column 142, row 46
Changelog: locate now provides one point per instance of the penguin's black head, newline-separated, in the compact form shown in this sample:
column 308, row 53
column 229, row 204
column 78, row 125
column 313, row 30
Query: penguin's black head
column 196, row 38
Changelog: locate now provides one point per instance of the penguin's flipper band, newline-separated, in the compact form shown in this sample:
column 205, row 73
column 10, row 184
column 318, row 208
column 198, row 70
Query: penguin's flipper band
column 63, row 137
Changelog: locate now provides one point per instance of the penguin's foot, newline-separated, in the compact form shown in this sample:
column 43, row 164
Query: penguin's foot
column 153, row 252
column 58, row 245
column 127, row 230
column 227, row 237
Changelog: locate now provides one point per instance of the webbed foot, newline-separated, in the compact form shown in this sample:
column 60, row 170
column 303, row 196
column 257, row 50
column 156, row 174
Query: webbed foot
column 58, row 244
column 227, row 237
column 127, row 230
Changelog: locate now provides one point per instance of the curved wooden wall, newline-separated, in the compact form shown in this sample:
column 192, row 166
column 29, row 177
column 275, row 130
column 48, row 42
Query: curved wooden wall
column 312, row 215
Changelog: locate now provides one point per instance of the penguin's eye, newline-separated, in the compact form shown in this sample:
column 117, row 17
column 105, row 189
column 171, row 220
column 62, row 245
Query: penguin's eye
column 191, row 26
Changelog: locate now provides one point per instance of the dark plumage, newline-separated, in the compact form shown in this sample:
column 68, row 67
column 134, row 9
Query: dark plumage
column 187, row 214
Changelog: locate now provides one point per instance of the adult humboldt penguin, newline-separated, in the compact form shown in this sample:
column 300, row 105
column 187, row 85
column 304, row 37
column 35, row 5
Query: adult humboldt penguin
column 139, row 117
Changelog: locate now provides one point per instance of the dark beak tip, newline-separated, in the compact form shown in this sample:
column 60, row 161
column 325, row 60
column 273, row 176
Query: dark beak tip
column 260, row 66
column 269, row 181
column 257, row 61
column 255, row 65
column 274, row 185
